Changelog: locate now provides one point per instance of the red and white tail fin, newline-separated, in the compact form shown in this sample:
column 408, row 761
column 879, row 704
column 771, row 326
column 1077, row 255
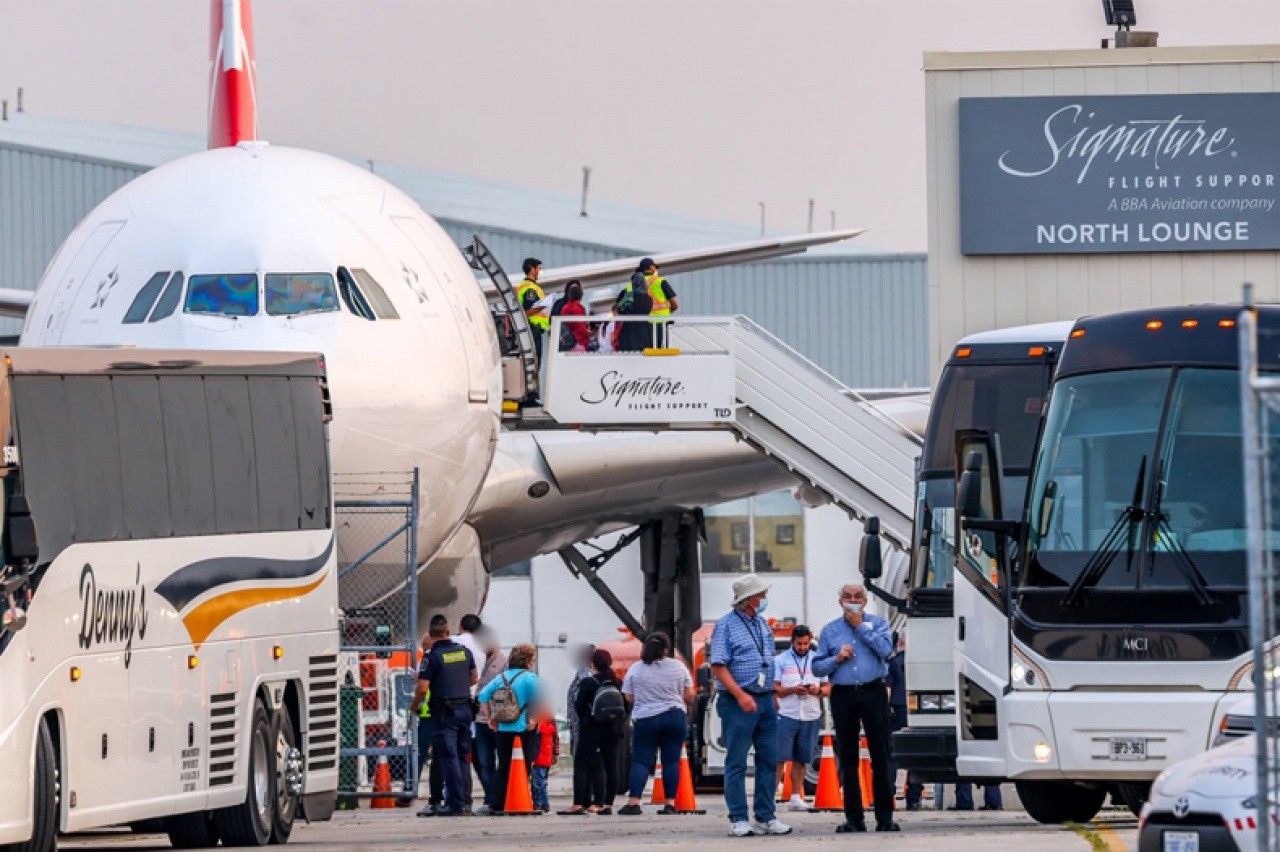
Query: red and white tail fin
column 233, row 96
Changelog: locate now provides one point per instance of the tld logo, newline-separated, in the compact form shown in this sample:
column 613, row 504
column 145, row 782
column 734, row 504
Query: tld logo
column 723, row 412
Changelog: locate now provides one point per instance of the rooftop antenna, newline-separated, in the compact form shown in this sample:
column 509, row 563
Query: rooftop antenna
column 761, row 203
column 586, row 184
column 811, row 215
column 20, row 99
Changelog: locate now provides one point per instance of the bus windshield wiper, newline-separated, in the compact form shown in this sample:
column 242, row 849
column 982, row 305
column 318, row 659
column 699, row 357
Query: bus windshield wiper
column 1165, row 535
column 1126, row 526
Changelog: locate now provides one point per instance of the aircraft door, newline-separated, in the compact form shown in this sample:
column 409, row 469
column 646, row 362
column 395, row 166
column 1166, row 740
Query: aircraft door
column 981, row 625
column 469, row 320
column 83, row 267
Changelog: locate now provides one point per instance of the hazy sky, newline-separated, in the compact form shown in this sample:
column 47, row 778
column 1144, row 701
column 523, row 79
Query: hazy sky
column 704, row 107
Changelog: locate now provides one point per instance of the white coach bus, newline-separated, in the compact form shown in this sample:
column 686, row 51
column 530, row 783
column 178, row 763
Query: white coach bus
column 169, row 594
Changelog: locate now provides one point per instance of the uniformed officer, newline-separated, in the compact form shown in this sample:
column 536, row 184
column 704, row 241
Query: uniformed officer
column 529, row 293
column 448, row 675
column 426, row 735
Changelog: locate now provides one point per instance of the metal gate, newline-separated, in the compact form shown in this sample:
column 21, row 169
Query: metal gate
column 377, row 518
column 1260, row 405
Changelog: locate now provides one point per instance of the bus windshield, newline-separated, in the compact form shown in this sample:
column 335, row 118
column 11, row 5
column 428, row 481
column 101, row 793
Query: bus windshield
column 1137, row 489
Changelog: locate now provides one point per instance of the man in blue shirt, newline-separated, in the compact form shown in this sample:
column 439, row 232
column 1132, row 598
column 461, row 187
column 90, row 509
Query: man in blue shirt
column 742, row 664
column 853, row 653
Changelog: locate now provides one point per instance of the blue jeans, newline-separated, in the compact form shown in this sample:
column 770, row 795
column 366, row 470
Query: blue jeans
column 666, row 731
column 991, row 797
column 742, row 731
column 538, row 786
column 485, row 758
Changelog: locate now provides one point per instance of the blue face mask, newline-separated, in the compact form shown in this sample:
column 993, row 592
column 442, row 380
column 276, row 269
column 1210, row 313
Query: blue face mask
column 764, row 604
column 853, row 607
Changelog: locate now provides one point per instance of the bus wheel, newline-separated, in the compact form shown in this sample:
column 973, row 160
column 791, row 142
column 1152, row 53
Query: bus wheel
column 1053, row 802
column 287, row 762
column 47, row 787
column 1132, row 794
column 249, row 823
column 191, row 831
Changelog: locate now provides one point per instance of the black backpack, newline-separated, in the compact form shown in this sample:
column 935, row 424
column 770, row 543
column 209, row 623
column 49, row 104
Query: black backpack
column 608, row 705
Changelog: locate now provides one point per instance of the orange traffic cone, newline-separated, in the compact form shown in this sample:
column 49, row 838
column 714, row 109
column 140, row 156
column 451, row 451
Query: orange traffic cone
column 659, row 793
column 518, row 802
column 828, row 798
column 382, row 782
column 786, row 783
column 686, row 802
column 864, row 775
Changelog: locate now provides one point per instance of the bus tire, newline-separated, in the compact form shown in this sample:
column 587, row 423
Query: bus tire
column 1132, row 794
column 191, row 831
column 249, row 823
column 46, row 789
column 285, row 745
column 1054, row 802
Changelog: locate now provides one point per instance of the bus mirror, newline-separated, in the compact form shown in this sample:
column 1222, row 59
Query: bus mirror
column 969, row 492
column 869, row 551
column 19, row 531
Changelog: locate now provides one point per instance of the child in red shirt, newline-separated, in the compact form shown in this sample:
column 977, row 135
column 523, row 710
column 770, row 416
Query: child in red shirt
column 548, row 754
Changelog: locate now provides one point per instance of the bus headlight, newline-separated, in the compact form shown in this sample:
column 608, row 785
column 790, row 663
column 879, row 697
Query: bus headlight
column 1042, row 752
column 1017, row 671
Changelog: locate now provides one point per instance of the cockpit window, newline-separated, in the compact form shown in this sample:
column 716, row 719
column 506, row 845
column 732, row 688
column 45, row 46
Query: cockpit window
column 228, row 295
column 287, row 295
column 145, row 299
column 377, row 296
column 169, row 301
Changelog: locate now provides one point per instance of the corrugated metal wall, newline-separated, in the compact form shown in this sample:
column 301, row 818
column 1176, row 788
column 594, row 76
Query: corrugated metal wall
column 42, row 197
column 863, row 319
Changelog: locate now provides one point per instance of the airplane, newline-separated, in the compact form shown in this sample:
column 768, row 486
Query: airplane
column 249, row 245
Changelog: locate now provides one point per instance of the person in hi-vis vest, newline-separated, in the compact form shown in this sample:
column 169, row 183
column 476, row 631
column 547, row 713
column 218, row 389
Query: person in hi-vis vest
column 530, row 294
column 662, row 294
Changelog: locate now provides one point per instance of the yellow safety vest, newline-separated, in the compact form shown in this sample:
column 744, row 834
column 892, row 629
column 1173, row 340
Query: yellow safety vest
column 543, row 323
column 661, row 307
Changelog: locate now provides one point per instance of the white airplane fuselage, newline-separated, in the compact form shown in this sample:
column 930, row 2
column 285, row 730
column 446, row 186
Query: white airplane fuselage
column 422, row 390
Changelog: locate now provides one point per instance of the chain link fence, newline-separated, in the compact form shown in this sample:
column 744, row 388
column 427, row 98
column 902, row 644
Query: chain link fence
column 1260, row 402
column 377, row 521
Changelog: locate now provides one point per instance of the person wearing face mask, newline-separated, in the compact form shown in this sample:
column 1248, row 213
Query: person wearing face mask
column 853, row 653
column 742, row 664
column 574, row 336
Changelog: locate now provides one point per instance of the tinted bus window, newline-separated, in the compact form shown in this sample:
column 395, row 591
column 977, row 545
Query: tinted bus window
column 1003, row 399
column 277, row 465
column 95, row 449
column 313, row 460
column 235, row 486
column 143, row 468
column 186, row 448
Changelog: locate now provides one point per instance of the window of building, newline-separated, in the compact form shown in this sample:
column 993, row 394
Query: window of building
column 226, row 295
column 763, row 533
column 523, row 568
column 289, row 295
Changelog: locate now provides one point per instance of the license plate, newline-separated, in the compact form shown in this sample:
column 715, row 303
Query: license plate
column 1128, row 748
column 1181, row 841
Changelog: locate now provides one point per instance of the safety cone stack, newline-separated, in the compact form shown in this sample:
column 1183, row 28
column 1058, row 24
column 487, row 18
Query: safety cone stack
column 686, row 802
column 828, row 798
column 865, row 778
column 519, row 802
column 382, row 782
column 786, row 783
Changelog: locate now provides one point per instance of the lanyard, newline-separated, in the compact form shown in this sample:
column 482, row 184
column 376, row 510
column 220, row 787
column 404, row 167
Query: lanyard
column 753, row 627
column 804, row 670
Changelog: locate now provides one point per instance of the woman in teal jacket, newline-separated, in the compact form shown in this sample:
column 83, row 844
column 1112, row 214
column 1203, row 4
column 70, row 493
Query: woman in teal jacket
column 528, row 692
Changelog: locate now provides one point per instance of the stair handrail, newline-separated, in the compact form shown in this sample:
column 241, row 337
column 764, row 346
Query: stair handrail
column 752, row 326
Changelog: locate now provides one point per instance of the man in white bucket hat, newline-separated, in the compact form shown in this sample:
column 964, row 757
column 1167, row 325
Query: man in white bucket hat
column 742, row 656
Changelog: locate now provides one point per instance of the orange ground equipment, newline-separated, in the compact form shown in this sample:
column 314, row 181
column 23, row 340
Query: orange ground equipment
column 382, row 782
column 786, row 783
column 519, row 802
column 828, row 798
column 686, row 802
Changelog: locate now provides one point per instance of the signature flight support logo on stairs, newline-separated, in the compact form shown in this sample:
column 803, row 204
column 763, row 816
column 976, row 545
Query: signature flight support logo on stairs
column 194, row 589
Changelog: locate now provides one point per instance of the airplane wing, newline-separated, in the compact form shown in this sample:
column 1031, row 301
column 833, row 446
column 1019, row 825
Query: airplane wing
column 14, row 303
column 677, row 262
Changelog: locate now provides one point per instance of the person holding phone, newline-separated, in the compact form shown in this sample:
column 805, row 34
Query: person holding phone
column 799, row 691
column 853, row 653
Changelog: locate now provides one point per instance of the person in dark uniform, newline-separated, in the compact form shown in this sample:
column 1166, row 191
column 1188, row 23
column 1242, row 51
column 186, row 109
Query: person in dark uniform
column 897, row 683
column 448, row 675
column 426, row 734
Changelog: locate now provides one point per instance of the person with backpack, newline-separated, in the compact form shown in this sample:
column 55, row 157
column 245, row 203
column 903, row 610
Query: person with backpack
column 661, row 692
column 575, row 336
column 636, row 336
column 602, row 718
column 509, row 698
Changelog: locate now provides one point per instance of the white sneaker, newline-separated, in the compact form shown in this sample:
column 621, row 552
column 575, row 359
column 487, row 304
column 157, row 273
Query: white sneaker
column 797, row 804
column 773, row 826
column 741, row 829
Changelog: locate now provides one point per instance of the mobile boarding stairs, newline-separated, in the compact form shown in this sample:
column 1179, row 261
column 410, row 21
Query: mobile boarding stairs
column 729, row 373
